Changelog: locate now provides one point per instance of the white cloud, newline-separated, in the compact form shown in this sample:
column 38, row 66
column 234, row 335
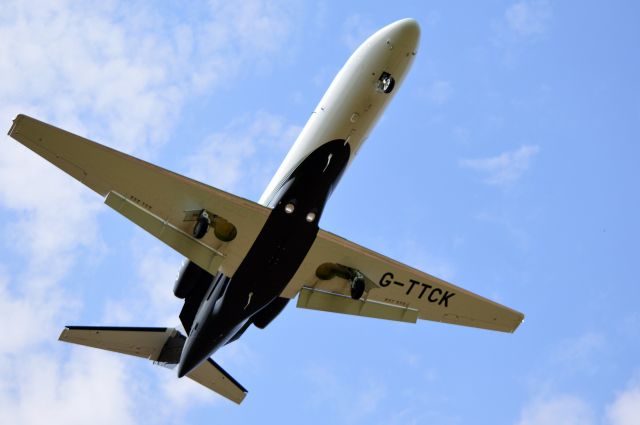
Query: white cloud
column 28, row 313
column 149, row 300
column 184, row 393
column 54, row 220
column 528, row 17
column 245, row 154
column 522, row 23
column 123, row 77
column 258, row 26
column 579, row 354
column 78, row 64
column 559, row 410
column 157, row 269
column 625, row 409
column 506, row 168
column 90, row 387
column 566, row 409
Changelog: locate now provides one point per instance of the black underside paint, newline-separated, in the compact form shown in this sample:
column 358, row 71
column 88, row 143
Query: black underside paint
column 192, row 285
column 271, row 262
column 265, row 316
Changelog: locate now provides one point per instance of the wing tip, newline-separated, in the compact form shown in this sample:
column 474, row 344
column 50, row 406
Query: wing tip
column 14, row 124
column 519, row 320
column 63, row 334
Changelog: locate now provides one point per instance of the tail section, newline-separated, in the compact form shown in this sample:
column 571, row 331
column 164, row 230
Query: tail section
column 163, row 346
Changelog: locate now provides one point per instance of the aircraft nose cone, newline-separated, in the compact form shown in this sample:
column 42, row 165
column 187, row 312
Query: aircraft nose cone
column 407, row 26
column 405, row 31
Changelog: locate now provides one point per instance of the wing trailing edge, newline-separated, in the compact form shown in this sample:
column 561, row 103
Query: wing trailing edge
column 337, row 303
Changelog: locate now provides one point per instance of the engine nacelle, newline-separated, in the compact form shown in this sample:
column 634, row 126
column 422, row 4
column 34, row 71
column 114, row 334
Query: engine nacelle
column 265, row 316
column 191, row 275
column 357, row 284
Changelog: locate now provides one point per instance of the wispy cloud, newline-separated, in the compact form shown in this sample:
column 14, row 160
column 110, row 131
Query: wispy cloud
column 229, row 159
column 90, row 387
column 579, row 354
column 625, row 409
column 528, row 18
column 504, row 169
column 149, row 299
column 571, row 409
column 558, row 410
column 521, row 24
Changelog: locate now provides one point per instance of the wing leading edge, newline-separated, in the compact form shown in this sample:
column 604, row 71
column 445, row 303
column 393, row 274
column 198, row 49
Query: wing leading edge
column 400, row 293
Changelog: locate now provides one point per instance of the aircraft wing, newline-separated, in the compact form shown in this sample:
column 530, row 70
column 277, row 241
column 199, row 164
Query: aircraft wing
column 158, row 200
column 395, row 291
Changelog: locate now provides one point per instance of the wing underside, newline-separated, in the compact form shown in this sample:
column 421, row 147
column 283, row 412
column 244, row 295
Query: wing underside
column 398, row 292
column 158, row 200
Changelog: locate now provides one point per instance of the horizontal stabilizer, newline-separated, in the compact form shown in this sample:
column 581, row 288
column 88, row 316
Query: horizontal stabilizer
column 147, row 343
column 161, row 345
column 212, row 376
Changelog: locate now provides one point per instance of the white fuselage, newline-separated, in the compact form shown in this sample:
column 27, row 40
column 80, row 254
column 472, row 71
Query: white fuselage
column 353, row 103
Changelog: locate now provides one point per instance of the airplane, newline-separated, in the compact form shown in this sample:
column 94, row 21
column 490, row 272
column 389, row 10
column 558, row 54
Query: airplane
column 246, row 260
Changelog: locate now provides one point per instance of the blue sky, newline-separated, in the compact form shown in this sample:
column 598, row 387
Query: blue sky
column 507, row 164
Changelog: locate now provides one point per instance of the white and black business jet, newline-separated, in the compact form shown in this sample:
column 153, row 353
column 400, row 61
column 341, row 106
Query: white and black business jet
column 246, row 260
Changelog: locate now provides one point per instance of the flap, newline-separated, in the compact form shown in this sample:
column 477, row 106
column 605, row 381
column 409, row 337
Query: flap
column 327, row 301
column 203, row 255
